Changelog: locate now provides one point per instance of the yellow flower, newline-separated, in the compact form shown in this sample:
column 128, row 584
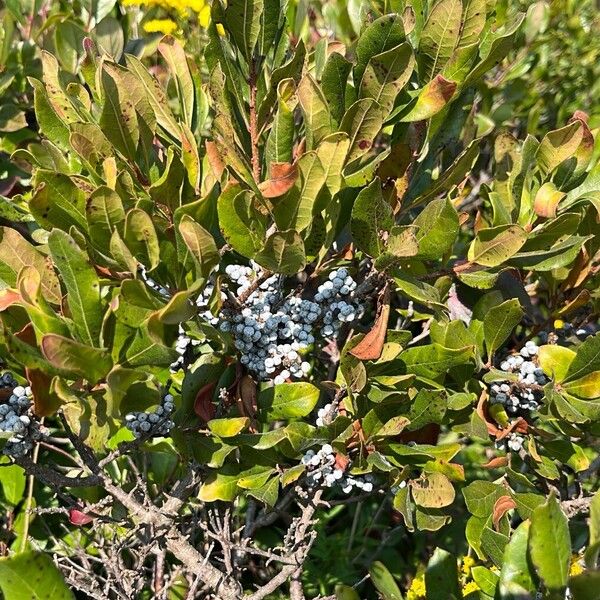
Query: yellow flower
column 165, row 26
column 468, row 563
column 575, row 568
column 470, row 587
column 204, row 20
column 559, row 324
column 417, row 589
column 179, row 6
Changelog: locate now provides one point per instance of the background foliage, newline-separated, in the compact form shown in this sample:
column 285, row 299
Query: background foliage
column 444, row 154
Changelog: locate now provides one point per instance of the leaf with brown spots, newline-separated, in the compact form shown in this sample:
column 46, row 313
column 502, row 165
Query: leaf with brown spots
column 214, row 159
column 370, row 347
column 501, row 507
column 283, row 177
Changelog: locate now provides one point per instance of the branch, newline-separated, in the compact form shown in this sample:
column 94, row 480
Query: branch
column 53, row 478
column 302, row 542
column 254, row 136
column 573, row 507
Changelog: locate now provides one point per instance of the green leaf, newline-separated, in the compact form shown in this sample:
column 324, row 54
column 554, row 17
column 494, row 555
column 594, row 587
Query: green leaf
column 201, row 244
column 499, row 323
column 486, row 579
column 362, row 122
column 428, row 406
column 332, row 153
column 83, row 286
column 283, row 253
column 435, row 490
column 51, row 125
column 384, row 582
column 386, row 75
column 90, row 143
column 371, row 215
column 156, row 96
column 439, row 37
column 437, row 228
column 105, row 214
column 281, row 137
column 57, row 201
column 550, row 544
column 16, row 253
column 433, row 360
column 12, row 481
column 559, row 255
column 295, row 209
column 495, row 245
column 316, row 113
column 174, row 55
column 32, row 576
column 587, row 360
column 559, row 145
column 74, row 357
column 219, row 486
column 345, row 592
column 587, row 386
column 502, row 42
column 228, row 427
column 242, row 225
column 243, row 19
column 555, row 361
column 56, row 95
column 585, row 586
column 333, row 83
column 118, row 119
column 441, row 576
column 480, row 497
column 381, row 35
column 516, row 580
column 288, row 400
column 140, row 237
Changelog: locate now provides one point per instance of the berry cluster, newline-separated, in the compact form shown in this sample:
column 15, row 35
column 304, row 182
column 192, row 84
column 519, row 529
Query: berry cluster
column 326, row 415
column 152, row 424
column 16, row 418
column 272, row 331
column 524, row 394
column 181, row 347
column 322, row 470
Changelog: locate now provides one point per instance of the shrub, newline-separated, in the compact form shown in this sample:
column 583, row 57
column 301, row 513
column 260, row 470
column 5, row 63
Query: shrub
column 262, row 332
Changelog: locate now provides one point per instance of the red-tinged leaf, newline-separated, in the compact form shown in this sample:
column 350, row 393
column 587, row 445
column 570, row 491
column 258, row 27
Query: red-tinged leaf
column 77, row 517
column 496, row 463
column 483, row 413
column 501, row 507
column 45, row 403
column 433, row 97
column 27, row 335
column 203, row 405
column 519, row 425
column 8, row 298
column 214, row 159
column 546, row 200
column 247, row 393
column 283, row 177
column 341, row 462
column 371, row 346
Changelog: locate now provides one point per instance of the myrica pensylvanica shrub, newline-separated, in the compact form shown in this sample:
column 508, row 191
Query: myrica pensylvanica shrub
column 288, row 314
